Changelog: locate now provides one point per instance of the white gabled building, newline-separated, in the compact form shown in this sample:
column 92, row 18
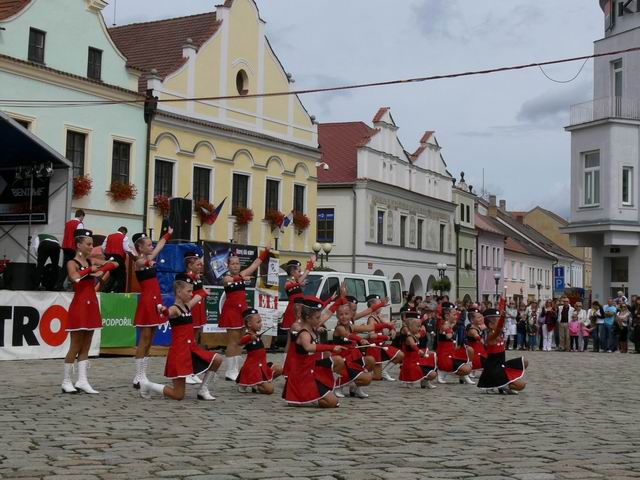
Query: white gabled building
column 386, row 211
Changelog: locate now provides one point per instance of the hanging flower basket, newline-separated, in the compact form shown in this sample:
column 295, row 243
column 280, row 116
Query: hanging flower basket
column 274, row 218
column 243, row 215
column 121, row 191
column 162, row 204
column 82, row 185
column 300, row 221
column 206, row 212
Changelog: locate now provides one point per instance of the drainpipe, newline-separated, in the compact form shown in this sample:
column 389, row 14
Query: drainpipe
column 457, row 229
column 477, row 273
column 150, row 108
column 353, row 246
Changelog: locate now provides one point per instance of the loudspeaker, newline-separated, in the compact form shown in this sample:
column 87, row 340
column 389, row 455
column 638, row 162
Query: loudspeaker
column 20, row 276
column 180, row 210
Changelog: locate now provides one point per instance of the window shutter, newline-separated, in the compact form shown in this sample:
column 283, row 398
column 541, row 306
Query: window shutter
column 372, row 222
column 390, row 226
column 412, row 230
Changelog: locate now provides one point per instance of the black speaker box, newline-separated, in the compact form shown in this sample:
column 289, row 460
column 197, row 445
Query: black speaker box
column 20, row 276
column 180, row 213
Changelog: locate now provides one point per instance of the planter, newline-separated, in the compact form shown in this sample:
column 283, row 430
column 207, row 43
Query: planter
column 121, row 191
column 301, row 222
column 82, row 186
column 274, row 218
column 243, row 215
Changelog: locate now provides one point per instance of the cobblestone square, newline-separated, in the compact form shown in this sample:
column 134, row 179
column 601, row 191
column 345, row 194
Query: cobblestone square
column 577, row 419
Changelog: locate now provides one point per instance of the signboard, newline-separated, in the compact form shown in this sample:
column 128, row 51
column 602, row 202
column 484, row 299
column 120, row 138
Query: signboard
column 32, row 325
column 118, row 311
column 214, row 304
column 216, row 260
column 267, row 295
column 558, row 279
column 14, row 200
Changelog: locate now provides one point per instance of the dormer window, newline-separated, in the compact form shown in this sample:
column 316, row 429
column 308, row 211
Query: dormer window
column 36, row 45
column 242, row 82
column 94, row 65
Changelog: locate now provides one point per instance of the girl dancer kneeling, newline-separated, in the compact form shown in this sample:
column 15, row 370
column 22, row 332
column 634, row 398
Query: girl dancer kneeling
column 311, row 381
column 452, row 359
column 383, row 353
column 185, row 357
column 499, row 373
column 475, row 339
column 418, row 365
column 195, row 266
column 147, row 318
column 256, row 374
column 84, row 312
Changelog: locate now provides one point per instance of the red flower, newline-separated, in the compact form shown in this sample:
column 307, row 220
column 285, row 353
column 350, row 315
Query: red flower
column 82, row 185
column 121, row 191
column 206, row 212
column 162, row 204
column 301, row 221
column 243, row 215
column 274, row 218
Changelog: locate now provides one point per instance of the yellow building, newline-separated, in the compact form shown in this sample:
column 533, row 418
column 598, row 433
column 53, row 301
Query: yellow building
column 260, row 153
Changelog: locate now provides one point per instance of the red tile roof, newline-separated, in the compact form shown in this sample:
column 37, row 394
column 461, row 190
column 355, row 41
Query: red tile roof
column 8, row 8
column 486, row 224
column 159, row 44
column 339, row 143
column 512, row 245
column 380, row 114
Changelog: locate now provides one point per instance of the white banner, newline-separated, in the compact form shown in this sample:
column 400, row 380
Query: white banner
column 32, row 325
column 267, row 306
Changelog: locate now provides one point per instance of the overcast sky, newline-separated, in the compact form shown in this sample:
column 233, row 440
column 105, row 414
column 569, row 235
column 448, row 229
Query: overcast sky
column 510, row 124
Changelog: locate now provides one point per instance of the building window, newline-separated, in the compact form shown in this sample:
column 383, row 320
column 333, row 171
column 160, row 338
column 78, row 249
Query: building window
column 120, row 162
column 514, row 273
column 468, row 213
column 325, row 221
column 461, row 212
column 420, row 228
column 591, row 179
column 36, row 45
column 403, row 231
column 617, row 81
column 94, row 65
column 380, row 231
column 163, row 180
column 242, row 82
column 271, row 195
column 76, row 145
column 442, row 232
column 522, row 271
column 240, row 195
column 627, row 185
column 298, row 198
column 201, row 184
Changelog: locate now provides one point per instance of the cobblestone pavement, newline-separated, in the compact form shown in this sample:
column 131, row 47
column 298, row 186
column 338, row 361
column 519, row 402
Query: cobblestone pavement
column 577, row 419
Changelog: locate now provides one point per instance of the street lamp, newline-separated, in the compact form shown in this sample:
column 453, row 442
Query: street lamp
column 326, row 248
column 539, row 285
column 441, row 267
column 497, row 277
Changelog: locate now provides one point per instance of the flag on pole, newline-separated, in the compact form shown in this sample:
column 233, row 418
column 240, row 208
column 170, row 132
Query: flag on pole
column 287, row 221
column 216, row 212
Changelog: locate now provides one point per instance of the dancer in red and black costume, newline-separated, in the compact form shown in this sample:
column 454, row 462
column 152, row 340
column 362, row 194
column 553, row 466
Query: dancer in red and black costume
column 293, row 287
column 234, row 305
column 185, row 357
column 311, row 381
column 475, row 339
column 418, row 366
column 256, row 374
column 383, row 353
column 147, row 318
column 84, row 312
column 452, row 359
column 358, row 367
column 500, row 374
column 195, row 267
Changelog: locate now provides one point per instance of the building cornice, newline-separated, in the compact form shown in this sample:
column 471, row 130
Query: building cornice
column 603, row 121
column 385, row 188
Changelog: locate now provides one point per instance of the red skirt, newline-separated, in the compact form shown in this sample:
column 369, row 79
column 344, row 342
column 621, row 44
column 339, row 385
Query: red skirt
column 199, row 314
column 185, row 357
column 415, row 368
column 147, row 314
column 479, row 355
column 450, row 357
column 289, row 317
column 383, row 353
column 353, row 366
column 256, row 369
column 234, row 305
column 84, row 311
column 310, row 379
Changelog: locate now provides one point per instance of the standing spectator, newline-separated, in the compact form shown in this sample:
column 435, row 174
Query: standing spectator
column 635, row 324
column 521, row 327
column 69, row 243
column 565, row 312
column 607, row 339
column 532, row 326
column 575, row 327
column 116, row 246
column 510, row 325
column 550, row 319
column 586, row 333
column 622, row 327
column 621, row 298
column 583, row 318
column 47, row 247
column 596, row 315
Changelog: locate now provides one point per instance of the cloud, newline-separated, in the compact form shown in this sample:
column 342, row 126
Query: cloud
column 322, row 101
column 553, row 105
column 440, row 19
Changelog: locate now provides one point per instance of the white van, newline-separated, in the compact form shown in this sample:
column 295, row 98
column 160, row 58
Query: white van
column 325, row 284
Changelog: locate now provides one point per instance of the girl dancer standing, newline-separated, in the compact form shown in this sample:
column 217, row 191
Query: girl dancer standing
column 256, row 374
column 236, row 303
column 84, row 312
column 293, row 287
column 419, row 366
column 147, row 318
column 451, row 359
column 195, row 266
column 311, row 381
column 185, row 357
column 380, row 351
column 499, row 373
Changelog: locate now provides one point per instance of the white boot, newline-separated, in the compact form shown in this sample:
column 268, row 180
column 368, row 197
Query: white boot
column 203, row 391
column 139, row 368
column 468, row 380
column 430, row 385
column 67, row 383
column 385, row 374
column 338, row 392
column 441, row 378
column 356, row 391
column 145, row 367
column 233, row 368
column 244, row 389
column 83, row 383
column 193, row 380
column 147, row 388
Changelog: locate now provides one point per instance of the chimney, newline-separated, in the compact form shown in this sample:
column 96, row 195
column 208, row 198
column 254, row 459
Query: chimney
column 503, row 205
column 189, row 49
column 493, row 210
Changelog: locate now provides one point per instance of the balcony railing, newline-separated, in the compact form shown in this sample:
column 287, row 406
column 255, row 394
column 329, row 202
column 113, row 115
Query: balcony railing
column 601, row 108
